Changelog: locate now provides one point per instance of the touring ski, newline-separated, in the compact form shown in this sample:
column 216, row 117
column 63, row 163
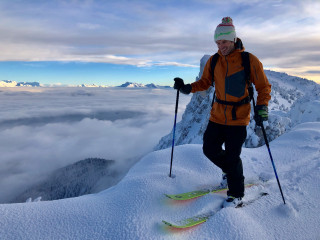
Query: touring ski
column 196, row 220
column 200, row 193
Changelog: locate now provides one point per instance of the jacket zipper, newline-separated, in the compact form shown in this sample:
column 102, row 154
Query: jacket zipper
column 225, row 94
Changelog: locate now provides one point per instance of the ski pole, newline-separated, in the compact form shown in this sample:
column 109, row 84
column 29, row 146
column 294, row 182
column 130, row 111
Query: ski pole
column 174, row 130
column 273, row 165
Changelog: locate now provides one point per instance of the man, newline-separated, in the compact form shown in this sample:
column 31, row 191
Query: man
column 230, row 113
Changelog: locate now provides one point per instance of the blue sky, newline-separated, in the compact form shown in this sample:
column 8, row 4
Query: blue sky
column 111, row 42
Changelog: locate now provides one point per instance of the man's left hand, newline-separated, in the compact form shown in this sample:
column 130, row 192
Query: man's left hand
column 260, row 114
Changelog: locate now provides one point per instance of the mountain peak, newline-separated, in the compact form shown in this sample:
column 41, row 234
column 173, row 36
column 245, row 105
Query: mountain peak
column 9, row 83
column 140, row 85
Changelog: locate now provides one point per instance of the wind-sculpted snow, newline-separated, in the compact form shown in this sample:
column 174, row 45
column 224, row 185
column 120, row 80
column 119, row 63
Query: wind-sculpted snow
column 293, row 100
column 134, row 208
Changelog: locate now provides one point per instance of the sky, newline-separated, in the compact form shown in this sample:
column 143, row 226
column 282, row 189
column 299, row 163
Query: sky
column 111, row 42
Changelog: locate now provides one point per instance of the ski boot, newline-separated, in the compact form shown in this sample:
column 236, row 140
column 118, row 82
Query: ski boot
column 232, row 202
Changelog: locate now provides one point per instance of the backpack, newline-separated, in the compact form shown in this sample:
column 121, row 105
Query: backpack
column 246, row 65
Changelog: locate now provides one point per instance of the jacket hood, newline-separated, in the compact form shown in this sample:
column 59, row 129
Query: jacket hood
column 239, row 45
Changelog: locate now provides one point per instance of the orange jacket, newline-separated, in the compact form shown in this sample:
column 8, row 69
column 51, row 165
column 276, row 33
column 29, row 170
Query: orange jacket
column 231, row 86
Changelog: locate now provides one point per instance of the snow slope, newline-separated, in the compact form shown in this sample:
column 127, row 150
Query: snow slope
column 134, row 208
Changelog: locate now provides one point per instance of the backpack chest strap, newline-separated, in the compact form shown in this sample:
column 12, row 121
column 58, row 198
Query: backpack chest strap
column 234, row 104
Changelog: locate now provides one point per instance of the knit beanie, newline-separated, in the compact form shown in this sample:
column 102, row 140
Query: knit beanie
column 225, row 30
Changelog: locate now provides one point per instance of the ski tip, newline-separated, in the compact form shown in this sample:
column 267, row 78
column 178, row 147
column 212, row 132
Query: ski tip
column 188, row 195
column 167, row 223
column 174, row 197
column 188, row 223
column 173, row 225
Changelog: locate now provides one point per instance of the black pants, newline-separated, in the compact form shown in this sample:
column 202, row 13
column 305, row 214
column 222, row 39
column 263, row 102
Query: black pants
column 229, row 159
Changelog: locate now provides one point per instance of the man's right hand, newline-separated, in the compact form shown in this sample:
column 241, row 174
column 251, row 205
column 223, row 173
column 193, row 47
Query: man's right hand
column 179, row 85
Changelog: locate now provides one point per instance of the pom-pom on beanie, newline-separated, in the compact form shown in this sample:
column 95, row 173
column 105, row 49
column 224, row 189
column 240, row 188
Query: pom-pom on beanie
column 225, row 30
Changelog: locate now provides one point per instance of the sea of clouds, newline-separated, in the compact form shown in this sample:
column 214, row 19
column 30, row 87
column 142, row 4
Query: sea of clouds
column 43, row 129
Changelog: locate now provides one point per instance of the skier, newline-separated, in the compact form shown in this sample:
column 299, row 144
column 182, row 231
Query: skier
column 230, row 113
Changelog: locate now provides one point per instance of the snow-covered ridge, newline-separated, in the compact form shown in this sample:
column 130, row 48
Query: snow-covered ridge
column 140, row 85
column 91, row 86
column 135, row 207
column 132, row 85
column 293, row 100
column 80, row 178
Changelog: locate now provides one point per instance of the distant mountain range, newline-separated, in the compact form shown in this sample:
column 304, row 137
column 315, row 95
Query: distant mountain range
column 139, row 85
column 9, row 83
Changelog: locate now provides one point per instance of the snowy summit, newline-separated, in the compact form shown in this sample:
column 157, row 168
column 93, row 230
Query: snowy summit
column 132, row 85
column 9, row 83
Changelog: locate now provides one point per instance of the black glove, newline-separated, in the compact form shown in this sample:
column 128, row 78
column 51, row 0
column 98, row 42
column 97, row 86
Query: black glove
column 260, row 114
column 179, row 85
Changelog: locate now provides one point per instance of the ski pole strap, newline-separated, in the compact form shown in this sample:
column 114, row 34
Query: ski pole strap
column 234, row 104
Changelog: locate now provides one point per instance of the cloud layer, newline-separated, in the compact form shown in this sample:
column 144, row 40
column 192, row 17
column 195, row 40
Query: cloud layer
column 116, row 124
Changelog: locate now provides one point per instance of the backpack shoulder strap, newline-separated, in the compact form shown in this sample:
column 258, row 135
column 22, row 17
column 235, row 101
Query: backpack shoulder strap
column 214, row 60
column 246, row 64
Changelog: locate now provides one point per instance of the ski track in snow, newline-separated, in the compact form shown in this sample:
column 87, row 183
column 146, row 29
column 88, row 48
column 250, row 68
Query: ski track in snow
column 134, row 208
